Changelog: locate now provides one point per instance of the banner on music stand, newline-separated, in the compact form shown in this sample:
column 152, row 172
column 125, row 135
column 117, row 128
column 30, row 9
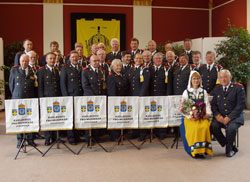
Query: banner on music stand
column 153, row 112
column 122, row 112
column 22, row 116
column 90, row 112
column 56, row 113
column 174, row 110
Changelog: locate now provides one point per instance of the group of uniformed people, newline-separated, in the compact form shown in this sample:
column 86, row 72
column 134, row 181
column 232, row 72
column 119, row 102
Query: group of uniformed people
column 129, row 73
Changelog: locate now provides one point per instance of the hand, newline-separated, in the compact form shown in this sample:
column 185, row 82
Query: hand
column 207, row 116
column 220, row 119
column 226, row 120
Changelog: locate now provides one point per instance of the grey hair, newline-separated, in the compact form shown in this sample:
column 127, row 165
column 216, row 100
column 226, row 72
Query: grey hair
column 23, row 55
column 157, row 54
column 100, row 50
column 114, row 39
column 115, row 62
column 171, row 52
column 225, row 71
column 31, row 53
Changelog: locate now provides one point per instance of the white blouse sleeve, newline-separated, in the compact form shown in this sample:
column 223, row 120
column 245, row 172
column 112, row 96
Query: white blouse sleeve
column 184, row 95
column 208, row 106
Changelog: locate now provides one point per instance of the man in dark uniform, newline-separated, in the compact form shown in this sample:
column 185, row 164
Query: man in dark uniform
column 152, row 47
column 77, row 44
column 161, row 78
column 209, row 72
column 27, row 45
column 134, row 44
column 54, row 46
column 147, row 58
column 139, row 79
column 115, row 54
column 170, row 60
column 94, row 49
column 21, row 83
column 70, row 83
column 227, row 106
column 104, row 65
column 196, row 56
column 126, row 62
column 49, row 86
column 188, row 51
column 181, row 75
column 58, row 65
column 93, row 83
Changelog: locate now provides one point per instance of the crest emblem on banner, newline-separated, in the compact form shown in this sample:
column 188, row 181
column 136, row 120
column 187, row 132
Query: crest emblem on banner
column 14, row 112
column 49, row 109
column 56, row 107
column 21, row 109
column 29, row 111
column 116, row 108
column 83, row 108
column 159, row 107
column 90, row 106
column 123, row 106
column 63, row 108
column 147, row 109
column 97, row 108
column 153, row 106
column 129, row 108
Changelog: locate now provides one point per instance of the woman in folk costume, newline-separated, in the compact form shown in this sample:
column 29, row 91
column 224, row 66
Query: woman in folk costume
column 195, row 133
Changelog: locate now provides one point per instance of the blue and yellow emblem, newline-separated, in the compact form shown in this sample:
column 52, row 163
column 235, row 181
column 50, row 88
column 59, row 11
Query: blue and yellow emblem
column 159, row 107
column 147, row 109
column 116, row 108
column 153, row 106
column 83, row 108
column 130, row 108
column 123, row 106
column 49, row 109
column 14, row 112
column 63, row 108
column 97, row 108
column 90, row 106
column 21, row 109
column 29, row 111
column 56, row 107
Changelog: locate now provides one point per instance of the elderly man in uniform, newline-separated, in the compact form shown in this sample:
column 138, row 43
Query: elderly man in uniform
column 161, row 78
column 209, row 72
column 196, row 56
column 94, row 49
column 115, row 54
column 227, row 106
column 147, row 58
column 104, row 65
column 28, row 46
column 49, row 86
column 170, row 60
column 93, row 83
column 152, row 47
column 21, row 84
column 70, row 83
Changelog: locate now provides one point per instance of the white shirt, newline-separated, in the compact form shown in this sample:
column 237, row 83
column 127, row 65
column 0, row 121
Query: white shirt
column 226, row 86
column 196, row 94
column 94, row 69
column 211, row 66
column 183, row 67
column 50, row 68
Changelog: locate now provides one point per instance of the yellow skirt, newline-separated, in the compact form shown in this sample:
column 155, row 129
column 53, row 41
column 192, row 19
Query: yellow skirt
column 196, row 136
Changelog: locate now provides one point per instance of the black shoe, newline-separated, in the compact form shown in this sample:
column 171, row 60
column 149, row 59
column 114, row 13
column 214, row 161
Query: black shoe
column 235, row 149
column 38, row 136
column 47, row 143
column 31, row 143
column 72, row 142
column 199, row 156
column 230, row 153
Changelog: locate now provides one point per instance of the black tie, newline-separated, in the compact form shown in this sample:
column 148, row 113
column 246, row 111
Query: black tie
column 208, row 68
column 114, row 54
column 52, row 70
column 225, row 90
column 24, row 72
column 96, row 71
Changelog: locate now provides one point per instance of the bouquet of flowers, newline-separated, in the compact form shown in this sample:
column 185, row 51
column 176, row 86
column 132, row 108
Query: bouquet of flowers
column 193, row 110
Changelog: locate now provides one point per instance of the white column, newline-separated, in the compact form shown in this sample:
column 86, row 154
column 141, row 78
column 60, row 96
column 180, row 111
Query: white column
column 248, row 15
column 142, row 24
column 52, row 25
column 1, row 72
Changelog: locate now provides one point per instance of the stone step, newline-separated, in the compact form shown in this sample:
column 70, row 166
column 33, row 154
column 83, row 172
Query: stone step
column 2, row 120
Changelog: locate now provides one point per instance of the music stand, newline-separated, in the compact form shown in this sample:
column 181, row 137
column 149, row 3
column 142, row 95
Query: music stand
column 151, row 136
column 121, row 138
column 58, row 140
column 23, row 146
column 90, row 143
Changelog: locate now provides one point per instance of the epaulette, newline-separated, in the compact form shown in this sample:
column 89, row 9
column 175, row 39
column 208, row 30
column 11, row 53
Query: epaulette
column 110, row 74
column 132, row 64
column 143, row 65
column 193, row 65
column 166, row 66
column 239, row 84
column 217, row 85
column 150, row 66
column 41, row 67
column 15, row 66
column 85, row 68
column 142, row 50
column 109, row 63
column 19, row 52
column 219, row 65
column 203, row 65
column 64, row 64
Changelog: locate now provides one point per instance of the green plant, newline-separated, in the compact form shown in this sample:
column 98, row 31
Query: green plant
column 235, row 53
column 176, row 48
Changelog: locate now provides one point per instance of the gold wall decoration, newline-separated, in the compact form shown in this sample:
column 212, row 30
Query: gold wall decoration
column 142, row 2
